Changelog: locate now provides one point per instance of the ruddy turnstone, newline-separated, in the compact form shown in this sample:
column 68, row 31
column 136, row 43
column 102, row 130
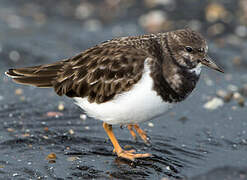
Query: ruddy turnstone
column 126, row 80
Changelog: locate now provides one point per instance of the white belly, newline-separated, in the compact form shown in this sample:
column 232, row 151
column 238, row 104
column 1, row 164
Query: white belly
column 139, row 104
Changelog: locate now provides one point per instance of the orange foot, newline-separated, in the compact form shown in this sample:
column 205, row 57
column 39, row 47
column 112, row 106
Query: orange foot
column 126, row 154
column 130, row 155
column 141, row 133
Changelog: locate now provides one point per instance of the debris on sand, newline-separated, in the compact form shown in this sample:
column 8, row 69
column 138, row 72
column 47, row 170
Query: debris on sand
column 51, row 157
column 10, row 130
column 150, row 124
column 73, row 158
column 60, row 106
column 226, row 96
column 19, row 91
column 71, row 132
column 214, row 104
column 83, row 117
column 54, row 114
column 239, row 98
column 241, row 101
column 46, row 129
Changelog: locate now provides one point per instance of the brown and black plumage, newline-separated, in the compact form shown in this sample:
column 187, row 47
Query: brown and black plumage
column 126, row 80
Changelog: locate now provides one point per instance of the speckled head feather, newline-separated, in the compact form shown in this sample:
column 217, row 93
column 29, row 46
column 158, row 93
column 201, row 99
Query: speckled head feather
column 115, row 66
column 186, row 47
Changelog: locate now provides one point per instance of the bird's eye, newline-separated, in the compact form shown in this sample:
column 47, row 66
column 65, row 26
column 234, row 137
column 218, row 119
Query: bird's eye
column 188, row 48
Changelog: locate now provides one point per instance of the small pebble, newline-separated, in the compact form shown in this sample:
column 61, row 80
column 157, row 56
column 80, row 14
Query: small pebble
column 26, row 135
column 10, row 130
column 54, row 114
column 236, row 95
column 213, row 104
column 19, row 91
column 71, row 131
column 51, row 156
column 150, row 124
column 15, row 174
column 45, row 137
column 83, row 116
column 239, row 98
column 73, row 158
column 60, row 106
column 228, row 97
column 221, row 93
column 241, row 101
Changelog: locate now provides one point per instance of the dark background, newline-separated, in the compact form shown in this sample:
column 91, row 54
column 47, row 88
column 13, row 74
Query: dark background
column 190, row 142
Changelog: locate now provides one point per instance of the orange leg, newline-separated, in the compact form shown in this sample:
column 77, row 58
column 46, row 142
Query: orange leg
column 117, row 148
column 141, row 133
column 133, row 134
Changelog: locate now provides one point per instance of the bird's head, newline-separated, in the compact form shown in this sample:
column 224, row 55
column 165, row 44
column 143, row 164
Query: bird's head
column 189, row 50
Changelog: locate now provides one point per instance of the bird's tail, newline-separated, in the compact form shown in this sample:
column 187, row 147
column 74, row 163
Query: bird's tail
column 40, row 76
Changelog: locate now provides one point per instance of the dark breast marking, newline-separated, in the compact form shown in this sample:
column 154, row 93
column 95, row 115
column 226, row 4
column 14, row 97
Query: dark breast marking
column 161, row 86
column 189, row 80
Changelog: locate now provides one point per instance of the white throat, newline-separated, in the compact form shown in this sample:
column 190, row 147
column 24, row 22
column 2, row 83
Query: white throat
column 197, row 69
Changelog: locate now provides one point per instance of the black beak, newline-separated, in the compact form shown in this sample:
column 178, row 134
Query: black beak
column 207, row 61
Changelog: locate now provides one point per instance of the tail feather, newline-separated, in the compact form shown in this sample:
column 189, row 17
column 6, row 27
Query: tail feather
column 40, row 76
column 35, row 81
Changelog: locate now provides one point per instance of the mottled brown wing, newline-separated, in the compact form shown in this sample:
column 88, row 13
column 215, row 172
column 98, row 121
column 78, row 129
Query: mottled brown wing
column 101, row 72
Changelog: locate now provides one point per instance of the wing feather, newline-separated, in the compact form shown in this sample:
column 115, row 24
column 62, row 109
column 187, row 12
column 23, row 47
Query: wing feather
column 101, row 72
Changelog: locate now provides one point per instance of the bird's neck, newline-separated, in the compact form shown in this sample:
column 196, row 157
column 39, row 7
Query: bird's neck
column 173, row 83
